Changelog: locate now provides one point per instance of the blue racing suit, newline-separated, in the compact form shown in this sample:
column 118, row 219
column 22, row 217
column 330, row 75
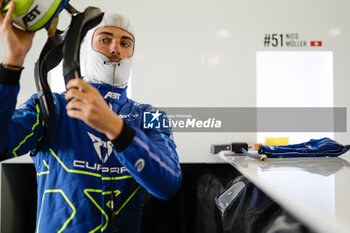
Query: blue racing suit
column 87, row 183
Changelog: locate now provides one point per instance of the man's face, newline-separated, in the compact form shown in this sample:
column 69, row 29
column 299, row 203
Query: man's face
column 113, row 42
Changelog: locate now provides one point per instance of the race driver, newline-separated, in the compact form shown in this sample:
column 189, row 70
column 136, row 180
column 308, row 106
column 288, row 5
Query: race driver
column 95, row 163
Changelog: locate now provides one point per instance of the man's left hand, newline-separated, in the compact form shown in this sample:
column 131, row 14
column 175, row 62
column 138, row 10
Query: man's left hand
column 87, row 104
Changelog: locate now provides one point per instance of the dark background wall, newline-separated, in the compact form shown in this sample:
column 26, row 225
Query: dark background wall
column 192, row 209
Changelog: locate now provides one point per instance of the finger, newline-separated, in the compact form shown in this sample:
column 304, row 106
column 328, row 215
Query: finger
column 76, row 94
column 87, row 110
column 79, row 110
column 1, row 17
column 78, row 84
column 75, row 114
column 8, row 16
column 80, row 116
column 76, row 105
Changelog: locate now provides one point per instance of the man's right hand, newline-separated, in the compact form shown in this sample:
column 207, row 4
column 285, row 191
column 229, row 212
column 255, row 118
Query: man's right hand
column 17, row 42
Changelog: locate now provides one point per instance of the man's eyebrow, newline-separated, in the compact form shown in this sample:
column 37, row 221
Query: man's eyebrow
column 111, row 34
column 127, row 38
column 105, row 33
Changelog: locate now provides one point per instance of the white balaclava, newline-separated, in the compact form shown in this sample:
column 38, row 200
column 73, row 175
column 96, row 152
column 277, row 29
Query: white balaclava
column 96, row 67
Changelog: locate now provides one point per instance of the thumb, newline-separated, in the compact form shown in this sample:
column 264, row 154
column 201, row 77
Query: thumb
column 9, row 14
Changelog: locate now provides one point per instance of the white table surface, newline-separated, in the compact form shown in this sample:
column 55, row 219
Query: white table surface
column 316, row 191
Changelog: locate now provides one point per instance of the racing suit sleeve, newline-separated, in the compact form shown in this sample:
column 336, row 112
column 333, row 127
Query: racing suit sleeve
column 151, row 158
column 20, row 129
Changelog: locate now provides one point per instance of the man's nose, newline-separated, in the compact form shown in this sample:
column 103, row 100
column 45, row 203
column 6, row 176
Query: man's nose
column 115, row 48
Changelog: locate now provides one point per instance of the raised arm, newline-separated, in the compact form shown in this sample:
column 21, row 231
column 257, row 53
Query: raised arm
column 17, row 42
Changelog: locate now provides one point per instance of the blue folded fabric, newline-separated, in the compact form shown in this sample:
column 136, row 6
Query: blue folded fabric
column 312, row 148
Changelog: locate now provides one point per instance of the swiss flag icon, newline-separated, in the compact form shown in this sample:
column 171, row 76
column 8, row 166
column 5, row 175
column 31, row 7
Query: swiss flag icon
column 316, row 43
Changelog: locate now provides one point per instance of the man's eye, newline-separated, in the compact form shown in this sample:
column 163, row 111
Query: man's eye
column 126, row 44
column 103, row 40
